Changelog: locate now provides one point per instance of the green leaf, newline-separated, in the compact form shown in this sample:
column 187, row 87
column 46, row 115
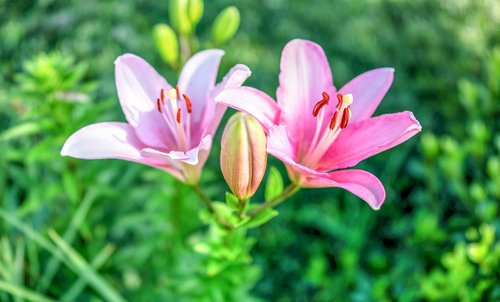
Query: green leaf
column 274, row 185
column 226, row 25
column 21, row 130
column 261, row 218
column 232, row 201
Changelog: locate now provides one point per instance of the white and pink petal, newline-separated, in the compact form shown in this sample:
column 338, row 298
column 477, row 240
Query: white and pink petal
column 252, row 101
column 138, row 86
column 111, row 140
column 197, row 79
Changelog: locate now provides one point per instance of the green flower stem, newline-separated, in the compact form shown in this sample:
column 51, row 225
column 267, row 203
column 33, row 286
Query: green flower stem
column 289, row 191
column 204, row 198
column 185, row 49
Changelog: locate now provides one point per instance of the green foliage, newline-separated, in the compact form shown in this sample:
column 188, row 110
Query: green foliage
column 274, row 184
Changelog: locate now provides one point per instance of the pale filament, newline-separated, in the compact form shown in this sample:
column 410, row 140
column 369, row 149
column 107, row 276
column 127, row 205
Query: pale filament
column 320, row 144
column 171, row 110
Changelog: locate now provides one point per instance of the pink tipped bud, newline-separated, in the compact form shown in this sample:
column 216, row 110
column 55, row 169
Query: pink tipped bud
column 243, row 156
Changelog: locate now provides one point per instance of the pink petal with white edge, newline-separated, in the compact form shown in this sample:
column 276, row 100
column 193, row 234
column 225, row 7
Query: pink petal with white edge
column 190, row 157
column 234, row 78
column 368, row 89
column 305, row 75
column 111, row 140
column 104, row 140
column 367, row 138
column 252, row 101
column 138, row 86
column 197, row 79
column 361, row 183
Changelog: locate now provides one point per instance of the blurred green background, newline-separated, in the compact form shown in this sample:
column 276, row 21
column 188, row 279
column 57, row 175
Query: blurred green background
column 434, row 239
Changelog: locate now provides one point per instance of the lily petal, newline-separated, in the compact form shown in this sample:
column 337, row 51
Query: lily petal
column 252, row 101
column 197, row 79
column 234, row 78
column 104, row 140
column 368, row 89
column 111, row 140
column 190, row 157
column 367, row 138
column 138, row 86
column 305, row 75
column 361, row 183
column 279, row 145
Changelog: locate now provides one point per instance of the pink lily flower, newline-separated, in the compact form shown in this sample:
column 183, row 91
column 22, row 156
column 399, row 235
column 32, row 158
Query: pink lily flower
column 168, row 128
column 319, row 132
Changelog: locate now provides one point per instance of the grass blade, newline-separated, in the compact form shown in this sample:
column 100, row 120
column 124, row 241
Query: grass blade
column 54, row 263
column 96, row 263
column 22, row 293
column 82, row 268
column 33, row 235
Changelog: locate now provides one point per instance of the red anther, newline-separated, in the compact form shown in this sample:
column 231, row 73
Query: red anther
column 334, row 120
column 321, row 104
column 158, row 104
column 162, row 96
column 318, row 106
column 177, row 90
column 346, row 115
column 340, row 98
column 188, row 103
column 326, row 96
column 179, row 115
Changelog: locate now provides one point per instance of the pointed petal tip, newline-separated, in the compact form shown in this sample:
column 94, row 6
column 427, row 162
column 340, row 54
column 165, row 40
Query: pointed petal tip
column 126, row 57
column 416, row 124
column 302, row 42
column 209, row 52
column 243, row 68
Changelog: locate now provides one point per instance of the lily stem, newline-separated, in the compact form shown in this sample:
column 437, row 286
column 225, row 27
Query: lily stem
column 204, row 198
column 289, row 191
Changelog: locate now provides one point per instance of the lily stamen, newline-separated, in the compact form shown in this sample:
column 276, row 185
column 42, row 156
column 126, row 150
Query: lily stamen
column 159, row 105
column 321, row 104
column 346, row 116
column 188, row 103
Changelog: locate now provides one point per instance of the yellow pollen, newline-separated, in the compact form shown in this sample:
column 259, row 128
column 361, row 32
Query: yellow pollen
column 172, row 94
column 347, row 100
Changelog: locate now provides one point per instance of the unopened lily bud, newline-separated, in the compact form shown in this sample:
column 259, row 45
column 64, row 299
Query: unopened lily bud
column 195, row 12
column 166, row 43
column 226, row 25
column 179, row 16
column 243, row 155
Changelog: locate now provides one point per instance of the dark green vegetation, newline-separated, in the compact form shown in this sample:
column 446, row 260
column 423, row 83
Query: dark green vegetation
column 435, row 238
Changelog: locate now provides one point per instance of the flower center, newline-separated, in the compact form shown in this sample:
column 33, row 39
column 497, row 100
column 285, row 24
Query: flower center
column 340, row 119
column 170, row 106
